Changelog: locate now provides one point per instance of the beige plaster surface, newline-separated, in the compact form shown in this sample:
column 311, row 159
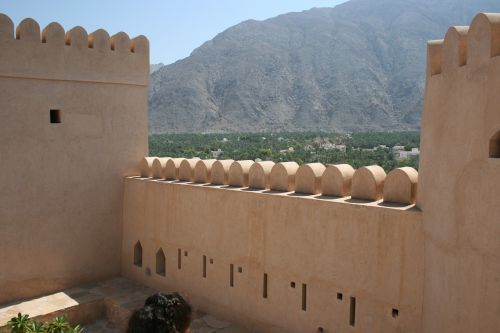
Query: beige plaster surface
column 282, row 177
column 158, row 169
column 238, row 173
column 61, row 194
column 372, row 252
column 336, row 180
column 259, row 175
column 220, row 172
column 368, row 183
column 172, row 168
column 146, row 166
column 203, row 171
column 309, row 177
column 42, row 61
column 401, row 186
column 186, row 169
column 459, row 185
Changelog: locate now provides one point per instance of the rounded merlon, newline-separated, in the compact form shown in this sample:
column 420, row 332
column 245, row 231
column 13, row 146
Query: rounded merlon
column 483, row 39
column 53, row 34
column 121, row 43
column 238, row 173
column 401, row 186
column 220, row 172
column 337, row 180
column 140, row 45
column 186, row 169
column 6, row 28
column 28, row 30
column 203, row 171
column 99, row 40
column 368, row 183
column 434, row 57
column 146, row 166
column 77, row 38
column 282, row 176
column 259, row 175
column 159, row 167
column 172, row 168
column 454, row 49
column 308, row 178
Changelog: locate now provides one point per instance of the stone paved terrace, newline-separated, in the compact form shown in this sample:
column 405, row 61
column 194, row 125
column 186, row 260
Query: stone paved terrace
column 103, row 308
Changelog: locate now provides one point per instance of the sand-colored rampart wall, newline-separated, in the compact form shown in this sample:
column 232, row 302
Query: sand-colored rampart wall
column 61, row 185
column 459, row 187
column 279, row 261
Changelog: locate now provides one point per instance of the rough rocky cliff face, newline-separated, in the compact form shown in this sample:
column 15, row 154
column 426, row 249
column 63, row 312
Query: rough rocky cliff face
column 356, row 67
column 154, row 67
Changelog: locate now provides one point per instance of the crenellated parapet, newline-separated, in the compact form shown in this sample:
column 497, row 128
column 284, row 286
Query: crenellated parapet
column 309, row 240
column 459, row 185
column 74, row 55
column 366, row 184
column 465, row 48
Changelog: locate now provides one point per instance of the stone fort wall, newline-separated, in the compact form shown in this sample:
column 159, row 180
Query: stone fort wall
column 459, row 187
column 313, row 248
column 74, row 123
column 280, row 247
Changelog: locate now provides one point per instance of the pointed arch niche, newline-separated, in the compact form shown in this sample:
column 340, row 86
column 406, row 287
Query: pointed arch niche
column 495, row 145
column 160, row 262
column 138, row 254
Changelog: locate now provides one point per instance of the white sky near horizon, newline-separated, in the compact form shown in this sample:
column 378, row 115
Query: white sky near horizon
column 174, row 27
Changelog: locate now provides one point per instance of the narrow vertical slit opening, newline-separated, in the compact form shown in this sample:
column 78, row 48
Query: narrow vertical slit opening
column 264, row 286
column 352, row 311
column 204, row 266
column 231, row 275
column 395, row 313
column 179, row 259
column 304, row 297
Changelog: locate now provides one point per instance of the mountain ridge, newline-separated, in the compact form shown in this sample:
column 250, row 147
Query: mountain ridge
column 355, row 67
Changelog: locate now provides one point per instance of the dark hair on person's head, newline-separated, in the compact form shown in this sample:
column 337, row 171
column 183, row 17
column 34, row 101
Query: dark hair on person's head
column 162, row 313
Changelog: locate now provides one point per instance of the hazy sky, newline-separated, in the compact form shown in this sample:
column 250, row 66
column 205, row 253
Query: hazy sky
column 174, row 27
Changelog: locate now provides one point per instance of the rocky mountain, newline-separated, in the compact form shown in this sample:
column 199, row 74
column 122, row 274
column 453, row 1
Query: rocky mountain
column 356, row 67
column 154, row 67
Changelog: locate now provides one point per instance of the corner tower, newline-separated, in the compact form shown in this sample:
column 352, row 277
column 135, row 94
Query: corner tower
column 74, row 123
column 459, row 182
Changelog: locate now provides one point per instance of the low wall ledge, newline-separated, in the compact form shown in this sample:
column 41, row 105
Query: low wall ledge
column 379, row 204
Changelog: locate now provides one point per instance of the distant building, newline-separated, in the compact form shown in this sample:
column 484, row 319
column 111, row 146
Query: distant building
column 403, row 154
column 289, row 150
column 216, row 153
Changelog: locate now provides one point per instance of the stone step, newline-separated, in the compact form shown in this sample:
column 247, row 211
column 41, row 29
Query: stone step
column 79, row 305
column 114, row 300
